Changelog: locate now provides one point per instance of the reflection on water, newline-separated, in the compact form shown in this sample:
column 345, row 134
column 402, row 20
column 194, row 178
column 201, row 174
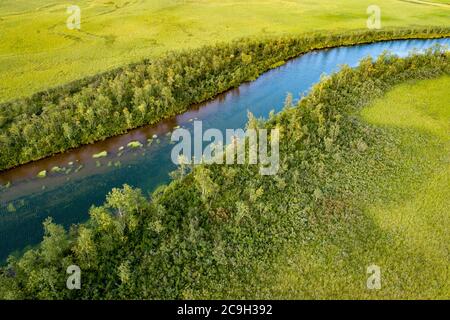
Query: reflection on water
column 75, row 180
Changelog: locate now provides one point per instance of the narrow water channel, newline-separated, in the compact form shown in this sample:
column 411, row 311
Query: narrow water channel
column 78, row 180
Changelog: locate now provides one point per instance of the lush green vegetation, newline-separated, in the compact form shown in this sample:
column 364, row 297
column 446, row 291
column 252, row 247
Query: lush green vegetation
column 399, row 201
column 38, row 51
column 108, row 104
column 223, row 231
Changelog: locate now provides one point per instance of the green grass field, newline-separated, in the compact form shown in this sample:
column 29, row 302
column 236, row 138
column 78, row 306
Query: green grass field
column 397, row 220
column 38, row 51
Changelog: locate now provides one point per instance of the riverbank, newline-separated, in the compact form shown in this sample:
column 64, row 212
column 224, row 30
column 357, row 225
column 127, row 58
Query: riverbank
column 82, row 181
column 145, row 93
column 216, row 232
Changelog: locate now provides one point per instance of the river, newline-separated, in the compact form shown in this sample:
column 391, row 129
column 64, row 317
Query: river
column 82, row 181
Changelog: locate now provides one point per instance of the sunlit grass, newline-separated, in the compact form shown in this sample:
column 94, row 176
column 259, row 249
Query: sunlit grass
column 38, row 51
column 397, row 214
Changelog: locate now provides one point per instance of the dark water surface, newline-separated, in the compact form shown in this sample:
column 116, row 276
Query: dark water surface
column 67, row 195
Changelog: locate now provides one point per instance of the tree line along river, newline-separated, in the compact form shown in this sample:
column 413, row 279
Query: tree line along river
column 71, row 182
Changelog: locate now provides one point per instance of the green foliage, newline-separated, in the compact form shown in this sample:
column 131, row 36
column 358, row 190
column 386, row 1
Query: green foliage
column 109, row 104
column 214, row 232
column 100, row 155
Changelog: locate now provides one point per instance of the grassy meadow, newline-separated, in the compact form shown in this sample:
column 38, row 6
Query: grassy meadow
column 38, row 51
column 398, row 219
